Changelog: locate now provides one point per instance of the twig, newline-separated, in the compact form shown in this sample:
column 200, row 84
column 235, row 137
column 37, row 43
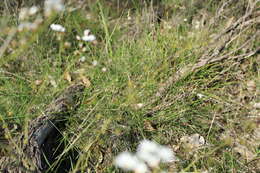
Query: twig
column 211, row 124
column 241, row 47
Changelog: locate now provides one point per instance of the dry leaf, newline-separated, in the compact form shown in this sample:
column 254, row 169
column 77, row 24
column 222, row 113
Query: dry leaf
column 10, row 113
column 67, row 76
column 85, row 81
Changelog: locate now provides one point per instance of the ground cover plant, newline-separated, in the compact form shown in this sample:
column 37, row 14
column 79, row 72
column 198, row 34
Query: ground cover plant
column 181, row 76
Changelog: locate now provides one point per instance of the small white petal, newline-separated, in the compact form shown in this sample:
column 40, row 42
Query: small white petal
column 139, row 105
column 150, row 158
column 94, row 63
column 129, row 162
column 78, row 37
column 200, row 95
column 141, row 168
column 86, row 32
column 148, row 146
column 104, row 69
column 57, row 27
column 33, row 10
column 82, row 59
column 84, row 49
column 166, row 154
column 88, row 38
column 152, row 153
column 148, row 152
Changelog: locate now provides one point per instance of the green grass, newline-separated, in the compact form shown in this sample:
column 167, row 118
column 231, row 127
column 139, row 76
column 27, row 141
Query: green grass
column 139, row 60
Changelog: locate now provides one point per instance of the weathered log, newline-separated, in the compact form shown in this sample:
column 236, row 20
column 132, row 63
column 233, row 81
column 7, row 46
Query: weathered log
column 44, row 133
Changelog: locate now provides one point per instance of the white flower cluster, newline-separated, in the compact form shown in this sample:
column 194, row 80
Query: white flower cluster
column 130, row 162
column 149, row 154
column 53, row 6
column 87, row 36
column 57, row 27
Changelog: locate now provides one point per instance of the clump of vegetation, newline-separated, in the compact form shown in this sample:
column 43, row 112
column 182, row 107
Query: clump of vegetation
column 184, row 74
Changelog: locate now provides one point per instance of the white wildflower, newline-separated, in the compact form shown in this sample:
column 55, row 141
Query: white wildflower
column 129, row 162
column 84, row 49
column 87, row 36
column 33, row 10
column 53, row 6
column 200, row 95
column 147, row 146
column 141, row 168
column 57, row 27
column 151, row 159
column 166, row 154
column 82, row 59
column 78, row 37
column 197, row 25
column 185, row 20
column 86, row 32
column 104, row 69
column 139, row 105
column 152, row 153
column 67, row 44
column 148, row 152
column 94, row 63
